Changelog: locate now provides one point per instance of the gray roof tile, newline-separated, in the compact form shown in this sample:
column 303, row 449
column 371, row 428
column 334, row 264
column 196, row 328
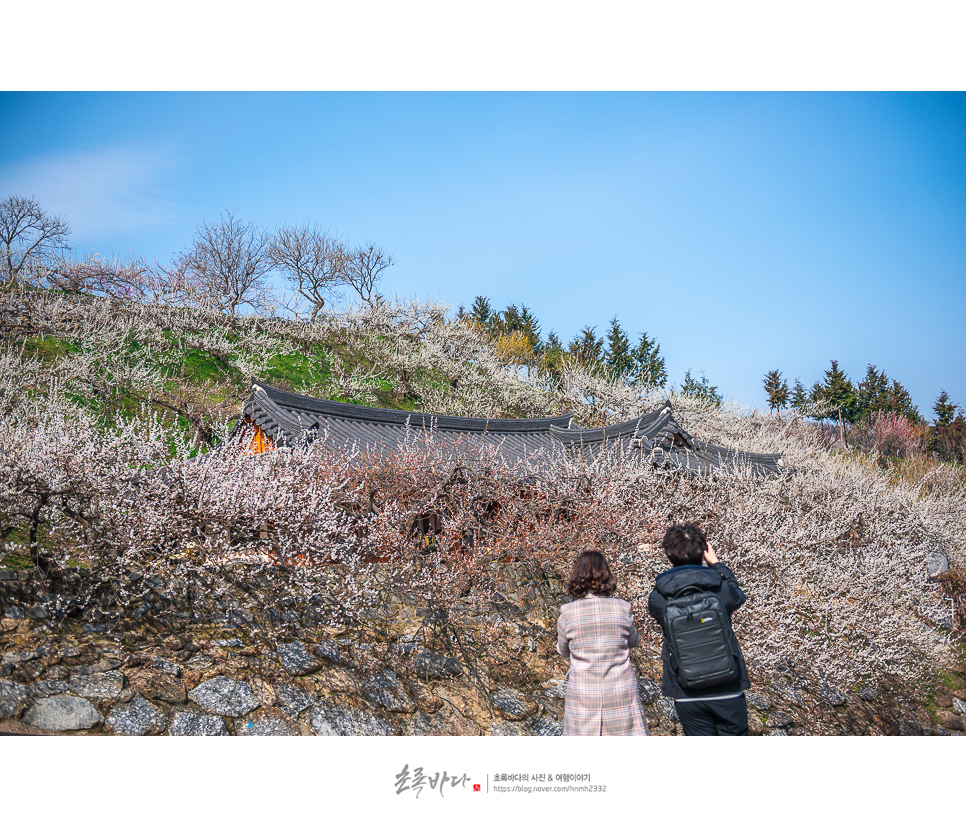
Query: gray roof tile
column 293, row 418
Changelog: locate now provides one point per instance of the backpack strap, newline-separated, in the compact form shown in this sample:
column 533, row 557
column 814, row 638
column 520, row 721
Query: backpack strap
column 688, row 589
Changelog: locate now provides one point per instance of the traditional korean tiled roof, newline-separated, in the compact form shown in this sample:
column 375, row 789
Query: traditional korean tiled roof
column 288, row 419
column 661, row 439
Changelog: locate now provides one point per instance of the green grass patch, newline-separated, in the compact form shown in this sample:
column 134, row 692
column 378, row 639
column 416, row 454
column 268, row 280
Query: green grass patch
column 200, row 366
column 47, row 348
column 299, row 369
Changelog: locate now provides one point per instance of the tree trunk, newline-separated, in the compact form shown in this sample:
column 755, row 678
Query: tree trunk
column 841, row 430
column 36, row 556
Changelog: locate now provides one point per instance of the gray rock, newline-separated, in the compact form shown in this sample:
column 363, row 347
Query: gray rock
column 38, row 612
column 834, row 696
column 650, row 691
column 44, row 689
column 505, row 728
column 137, row 718
column 936, row 563
column 666, row 709
column 293, row 700
column 333, row 720
column 908, row 726
column 443, row 722
column 778, row 733
column 328, row 649
column 99, row 686
column 959, row 706
column 15, row 612
column 547, row 727
column 407, row 646
column 108, row 663
column 63, row 712
column 296, row 659
column 166, row 666
column 509, row 705
column 241, row 617
column 194, row 724
column 779, row 720
column 228, row 644
column 15, row 658
column 224, row 696
column 383, row 690
column 263, row 691
column 757, row 700
column 13, row 695
column 156, row 685
column 431, row 665
column 788, row 693
column 867, row 693
column 93, row 628
column 269, row 725
column 556, row 689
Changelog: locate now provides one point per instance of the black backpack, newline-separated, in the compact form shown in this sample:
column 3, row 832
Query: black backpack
column 697, row 631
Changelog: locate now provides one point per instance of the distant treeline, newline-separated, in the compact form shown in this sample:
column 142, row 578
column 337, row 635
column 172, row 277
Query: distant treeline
column 875, row 407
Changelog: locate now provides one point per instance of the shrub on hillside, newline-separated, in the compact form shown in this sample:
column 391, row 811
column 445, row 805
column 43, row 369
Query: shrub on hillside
column 890, row 435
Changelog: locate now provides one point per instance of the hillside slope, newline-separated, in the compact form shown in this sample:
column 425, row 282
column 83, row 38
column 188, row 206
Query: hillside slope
column 842, row 563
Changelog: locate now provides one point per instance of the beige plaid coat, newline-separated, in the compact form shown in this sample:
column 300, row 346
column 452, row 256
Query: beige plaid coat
column 603, row 699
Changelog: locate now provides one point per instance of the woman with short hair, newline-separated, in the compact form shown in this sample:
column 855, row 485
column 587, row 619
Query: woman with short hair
column 596, row 632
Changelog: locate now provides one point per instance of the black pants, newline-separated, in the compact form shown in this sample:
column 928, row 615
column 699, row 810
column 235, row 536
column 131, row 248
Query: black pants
column 727, row 717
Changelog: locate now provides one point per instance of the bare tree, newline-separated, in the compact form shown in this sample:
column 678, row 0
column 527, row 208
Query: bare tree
column 226, row 266
column 28, row 235
column 312, row 262
column 364, row 268
column 101, row 276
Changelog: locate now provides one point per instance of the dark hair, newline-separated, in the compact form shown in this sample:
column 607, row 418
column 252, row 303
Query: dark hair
column 591, row 575
column 685, row 544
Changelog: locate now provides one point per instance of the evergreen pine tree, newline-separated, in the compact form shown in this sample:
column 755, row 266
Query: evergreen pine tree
column 900, row 402
column 777, row 390
column 649, row 369
column 799, row 396
column 552, row 356
column 587, row 349
column 481, row 310
column 700, row 389
column 841, row 398
column 530, row 328
column 505, row 322
column 840, row 394
column 945, row 410
column 618, row 356
column 816, row 396
column 873, row 393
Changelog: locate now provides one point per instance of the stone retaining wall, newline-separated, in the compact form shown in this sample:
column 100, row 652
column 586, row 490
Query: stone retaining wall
column 81, row 657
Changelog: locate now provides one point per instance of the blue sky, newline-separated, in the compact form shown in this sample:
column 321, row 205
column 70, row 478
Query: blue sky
column 743, row 231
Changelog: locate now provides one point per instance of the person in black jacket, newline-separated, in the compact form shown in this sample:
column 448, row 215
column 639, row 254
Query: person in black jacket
column 720, row 710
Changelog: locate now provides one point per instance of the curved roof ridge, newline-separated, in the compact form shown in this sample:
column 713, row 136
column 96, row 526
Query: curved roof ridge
column 287, row 402
column 650, row 426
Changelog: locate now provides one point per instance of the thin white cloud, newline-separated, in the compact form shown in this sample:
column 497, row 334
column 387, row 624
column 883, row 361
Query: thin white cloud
column 100, row 193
